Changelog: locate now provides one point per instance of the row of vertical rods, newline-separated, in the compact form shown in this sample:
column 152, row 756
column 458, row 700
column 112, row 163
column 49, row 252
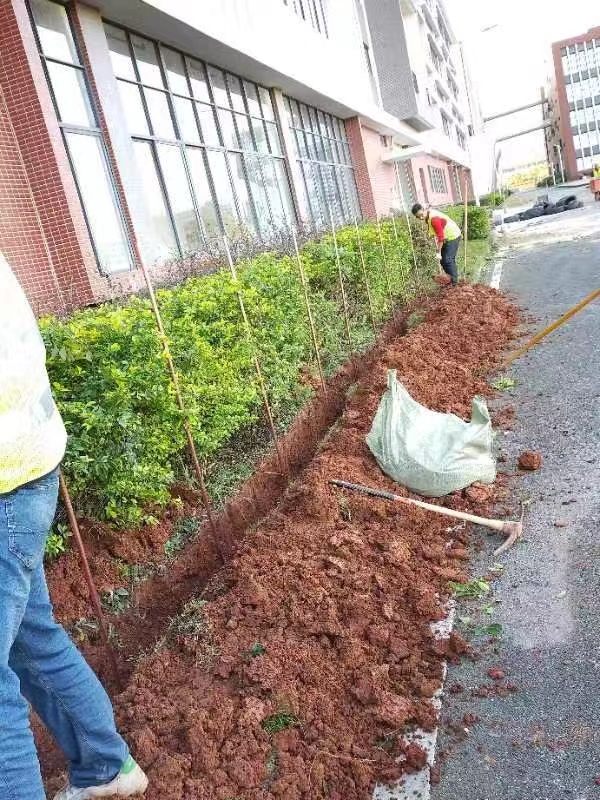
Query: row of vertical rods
column 256, row 360
column 174, row 378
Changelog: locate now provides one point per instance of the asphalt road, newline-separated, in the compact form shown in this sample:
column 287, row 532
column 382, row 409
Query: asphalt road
column 541, row 742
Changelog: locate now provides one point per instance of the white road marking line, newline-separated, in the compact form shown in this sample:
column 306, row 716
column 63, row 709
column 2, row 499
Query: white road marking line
column 417, row 786
column 496, row 275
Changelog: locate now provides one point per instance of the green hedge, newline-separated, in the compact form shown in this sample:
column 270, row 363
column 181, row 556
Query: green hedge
column 478, row 220
column 126, row 445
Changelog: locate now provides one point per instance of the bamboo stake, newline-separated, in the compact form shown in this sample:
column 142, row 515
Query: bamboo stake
column 181, row 405
column 257, row 367
column 311, row 322
column 408, row 222
column 365, row 276
column 385, row 265
column 542, row 334
column 93, row 591
column 513, row 529
column 341, row 281
column 466, row 224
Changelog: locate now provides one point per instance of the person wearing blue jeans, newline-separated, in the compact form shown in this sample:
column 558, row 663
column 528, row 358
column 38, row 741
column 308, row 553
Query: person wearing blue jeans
column 39, row 665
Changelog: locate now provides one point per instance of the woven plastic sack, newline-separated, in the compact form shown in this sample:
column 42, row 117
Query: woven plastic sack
column 429, row 452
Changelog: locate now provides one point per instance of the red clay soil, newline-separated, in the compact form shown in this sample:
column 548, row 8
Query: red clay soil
column 321, row 619
column 530, row 460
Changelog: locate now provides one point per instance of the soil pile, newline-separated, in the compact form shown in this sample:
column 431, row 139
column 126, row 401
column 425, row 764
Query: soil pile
column 294, row 673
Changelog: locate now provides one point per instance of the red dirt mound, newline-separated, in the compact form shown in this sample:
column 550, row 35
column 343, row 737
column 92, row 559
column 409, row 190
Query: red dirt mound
column 295, row 680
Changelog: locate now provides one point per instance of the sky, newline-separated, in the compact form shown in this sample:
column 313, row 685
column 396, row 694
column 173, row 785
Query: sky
column 510, row 62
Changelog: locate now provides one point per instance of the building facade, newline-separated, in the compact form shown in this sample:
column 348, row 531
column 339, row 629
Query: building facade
column 577, row 74
column 140, row 131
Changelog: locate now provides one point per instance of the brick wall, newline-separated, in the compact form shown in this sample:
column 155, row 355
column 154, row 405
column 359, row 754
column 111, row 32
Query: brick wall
column 375, row 180
column 361, row 167
column 43, row 233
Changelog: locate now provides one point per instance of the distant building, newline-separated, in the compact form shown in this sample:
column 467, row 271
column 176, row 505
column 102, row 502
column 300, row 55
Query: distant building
column 577, row 72
column 137, row 131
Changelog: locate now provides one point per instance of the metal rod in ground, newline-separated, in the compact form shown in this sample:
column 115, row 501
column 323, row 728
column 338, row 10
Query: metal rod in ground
column 181, row 405
column 338, row 261
column 365, row 276
column 408, row 223
column 385, row 265
column 311, row 322
column 512, row 528
column 466, row 223
column 94, row 596
column 556, row 324
column 257, row 367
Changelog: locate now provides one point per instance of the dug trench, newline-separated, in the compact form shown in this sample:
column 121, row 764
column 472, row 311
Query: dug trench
column 291, row 670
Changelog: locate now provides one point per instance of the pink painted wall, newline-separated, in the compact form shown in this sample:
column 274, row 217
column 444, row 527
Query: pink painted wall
column 432, row 198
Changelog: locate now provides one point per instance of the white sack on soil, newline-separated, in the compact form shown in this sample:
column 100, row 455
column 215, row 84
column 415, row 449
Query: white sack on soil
column 431, row 453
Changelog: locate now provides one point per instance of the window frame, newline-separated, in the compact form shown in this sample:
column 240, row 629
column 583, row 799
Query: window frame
column 92, row 130
column 265, row 118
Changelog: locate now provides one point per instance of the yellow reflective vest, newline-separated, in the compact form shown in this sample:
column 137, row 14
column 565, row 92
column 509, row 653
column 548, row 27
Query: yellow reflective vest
column 451, row 229
column 32, row 434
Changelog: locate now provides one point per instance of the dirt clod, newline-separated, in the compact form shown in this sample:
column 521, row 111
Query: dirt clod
column 530, row 460
column 496, row 674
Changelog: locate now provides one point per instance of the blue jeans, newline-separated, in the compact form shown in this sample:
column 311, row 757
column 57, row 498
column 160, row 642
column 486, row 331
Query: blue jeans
column 40, row 664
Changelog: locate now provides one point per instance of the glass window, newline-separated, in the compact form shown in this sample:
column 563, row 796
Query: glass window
column 266, row 104
column 175, row 71
column 204, row 199
column 133, row 109
column 54, row 31
column 235, row 91
column 259, row 194
column 228, row 131
column 260, row 136
column 120, row 55
column 201, row 106
column 284, row 188
column 198, row 80
column 159, row 241
column 223, row 188
column 208, row 125
column 240, row 182
column 160, row 116
column 95, row 187
column 219, row 87
column 180, row 197
column 244, row 134
column 273, row 135
column 82, row 139
column 71, row 96
column 147, row 61
column 186, row 120
column 252, row 98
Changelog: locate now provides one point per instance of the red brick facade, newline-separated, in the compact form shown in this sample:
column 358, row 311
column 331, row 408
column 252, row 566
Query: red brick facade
column 42, row 228
column 361, row 168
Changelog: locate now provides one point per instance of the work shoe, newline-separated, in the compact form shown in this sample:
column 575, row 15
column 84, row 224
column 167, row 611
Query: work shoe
column 131, row 780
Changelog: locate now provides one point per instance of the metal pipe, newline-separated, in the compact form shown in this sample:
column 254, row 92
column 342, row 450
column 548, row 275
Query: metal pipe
column 341, row 281
column 93, row 591
column 181, row 405
column 514, row 110
column 257, row 367
column 311, row 322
